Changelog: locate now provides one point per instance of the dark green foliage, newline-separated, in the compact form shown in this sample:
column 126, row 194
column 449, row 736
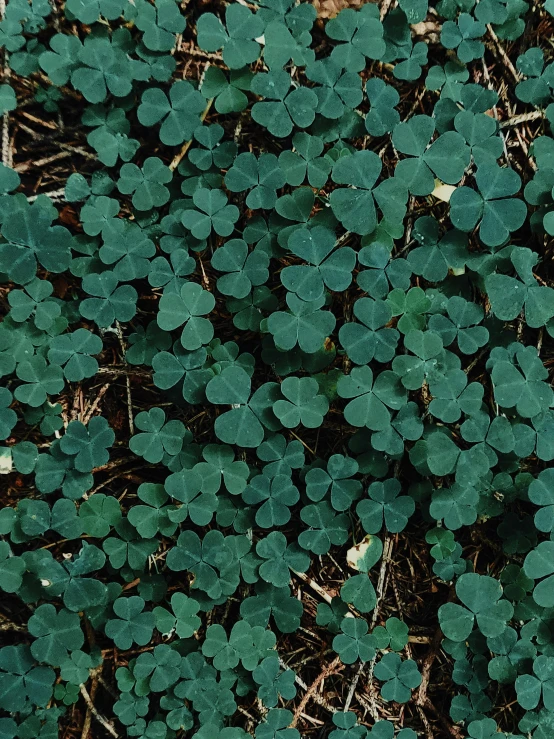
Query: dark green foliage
column 278, row 350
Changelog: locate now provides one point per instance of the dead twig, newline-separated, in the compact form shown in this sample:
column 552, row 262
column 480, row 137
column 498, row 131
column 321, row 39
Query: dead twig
column 97, row 715
column 387, row 553
column 517, row 120
column 335, row 666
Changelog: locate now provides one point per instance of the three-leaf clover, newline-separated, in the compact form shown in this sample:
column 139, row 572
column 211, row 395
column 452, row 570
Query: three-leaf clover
column 446, row 158
column 362, row 35
column 188, row 306
column 370, row 400
column 354, row 206
column 483, row 603
column 88, row 445
column 328, row 268
column 529, row 688
column 179, row 113
column 305, row 161
column 302, row 405
column 276, row 494
column 243, row 270
column 354, row 642
column 241, row 425
column 282, row 109
column 262, row 176
column 110, row 302
column 278, row 559
column 304, row 325
column 385, row 504
column 56, row 634
column 400, row 677
column 492, row 207
column 211, row 211
column 463, row 36
column 369, row 339
column 158, row 437
column 146, row 183
column 133, row 624
column 74, row 352
column 236, row 38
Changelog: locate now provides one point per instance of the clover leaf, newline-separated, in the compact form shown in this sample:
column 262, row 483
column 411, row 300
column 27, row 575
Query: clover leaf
column 158, row 437
column 56, row 633
column 382, row 116
column 22, row 681
column 188, row 307
column 355, row 206
column 326, row 528
column 303, row 405
column 462, row 35
column 492, row 207
column 522, row 387
column 304, row 325
column 229, row 94
column 305, row 161
column 103, row 67
column 179, row 113
column 146, row 183
column 446, row 158
column 243, row 270
column 110, row 302
column 370, row 399
column 385, row 505
column 276, row 494
column 133, row 624
column 336, row 88
column 278, row 558
column 273, row 682
column 262, row 177
column 74, row 352
column 399, row 677
column 211, row 212
column 354, row 642
column 361, row 34
column 282, row 109
column 332, row 270
column 236, row 38
column 482, row 598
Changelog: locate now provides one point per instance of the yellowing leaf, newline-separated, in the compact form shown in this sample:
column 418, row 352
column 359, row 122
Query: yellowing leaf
column 443, row 192
column 365, row 554
column 6, row 465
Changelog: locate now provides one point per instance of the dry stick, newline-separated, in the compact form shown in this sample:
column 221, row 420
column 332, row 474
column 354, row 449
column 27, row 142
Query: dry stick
column 68, row 151
column 98, row 716
column 494, row 108
column 516, row 120
column 314, row 586
column 96, row 403
column 329, row 670
column 119, row 334
column 53, row 194
column 426, row 668
column 7, row 154
column 316, row 697
column 24, row 166
column 385, row 7
column 387, row 552
column 501, row 51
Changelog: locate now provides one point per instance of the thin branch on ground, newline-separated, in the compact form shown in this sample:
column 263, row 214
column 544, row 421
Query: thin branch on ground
column 97, row 715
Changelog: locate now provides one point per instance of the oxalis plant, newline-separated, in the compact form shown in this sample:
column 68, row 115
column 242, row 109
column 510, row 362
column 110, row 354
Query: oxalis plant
column 276, row 416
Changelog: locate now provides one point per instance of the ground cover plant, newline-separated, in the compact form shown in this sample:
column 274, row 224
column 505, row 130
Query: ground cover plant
column 276, row 414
